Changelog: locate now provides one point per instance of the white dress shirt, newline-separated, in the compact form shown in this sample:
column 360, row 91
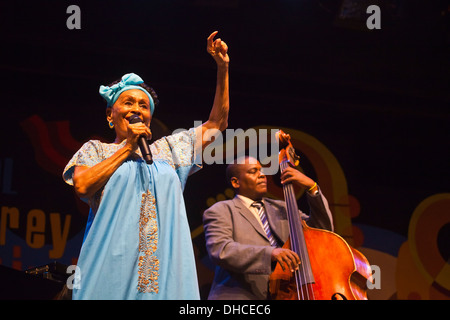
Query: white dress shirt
column 248, row 204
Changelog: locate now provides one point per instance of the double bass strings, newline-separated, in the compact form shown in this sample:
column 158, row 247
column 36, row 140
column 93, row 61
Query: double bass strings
column 294, row 227
column 293, row 235
column 303, row 276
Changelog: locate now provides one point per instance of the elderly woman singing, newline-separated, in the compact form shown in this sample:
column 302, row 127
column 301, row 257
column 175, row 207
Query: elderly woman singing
column 137, row 242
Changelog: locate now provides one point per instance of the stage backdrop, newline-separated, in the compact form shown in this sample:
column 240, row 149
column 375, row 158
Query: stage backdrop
column 367, row 111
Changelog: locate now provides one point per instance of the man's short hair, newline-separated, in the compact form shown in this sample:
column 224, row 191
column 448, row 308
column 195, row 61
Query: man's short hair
column 233, row 168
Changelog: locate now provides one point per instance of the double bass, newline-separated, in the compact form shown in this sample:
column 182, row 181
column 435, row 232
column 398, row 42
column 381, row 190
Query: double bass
column 330, row 268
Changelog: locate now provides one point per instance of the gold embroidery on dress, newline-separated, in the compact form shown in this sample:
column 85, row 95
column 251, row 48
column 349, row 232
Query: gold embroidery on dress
column 148, row 241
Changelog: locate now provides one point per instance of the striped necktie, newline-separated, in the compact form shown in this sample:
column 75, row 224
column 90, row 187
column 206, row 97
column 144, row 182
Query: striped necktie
column 262, row 215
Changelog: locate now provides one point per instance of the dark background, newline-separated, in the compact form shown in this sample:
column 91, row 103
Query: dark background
column 377, row 99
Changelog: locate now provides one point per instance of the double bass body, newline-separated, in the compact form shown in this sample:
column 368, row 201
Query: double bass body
column 340, row 271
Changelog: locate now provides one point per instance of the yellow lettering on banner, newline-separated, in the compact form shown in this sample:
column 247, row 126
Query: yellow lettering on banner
column 13, row 214
column 59, row 238
column 35, row 229
column 35, row 236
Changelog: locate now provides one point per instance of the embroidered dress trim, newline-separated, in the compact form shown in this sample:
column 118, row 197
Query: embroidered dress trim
column 148, row 241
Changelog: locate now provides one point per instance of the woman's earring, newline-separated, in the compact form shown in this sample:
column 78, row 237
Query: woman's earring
column 111, row 125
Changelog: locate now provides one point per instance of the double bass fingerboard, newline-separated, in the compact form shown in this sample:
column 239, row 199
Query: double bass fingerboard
column 304, row 275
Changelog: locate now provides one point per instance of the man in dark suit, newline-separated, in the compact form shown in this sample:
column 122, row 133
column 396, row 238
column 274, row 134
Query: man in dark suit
column 244, row 239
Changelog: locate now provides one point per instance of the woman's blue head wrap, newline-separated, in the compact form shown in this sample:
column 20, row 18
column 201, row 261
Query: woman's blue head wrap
column 128, row 82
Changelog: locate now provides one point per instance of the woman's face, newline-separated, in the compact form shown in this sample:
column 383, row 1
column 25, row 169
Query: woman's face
column 130, row 102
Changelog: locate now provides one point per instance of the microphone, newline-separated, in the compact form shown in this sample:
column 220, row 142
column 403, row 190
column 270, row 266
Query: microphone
column 142, row 141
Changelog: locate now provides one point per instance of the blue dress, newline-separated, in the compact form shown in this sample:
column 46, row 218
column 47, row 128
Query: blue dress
column 137, row 243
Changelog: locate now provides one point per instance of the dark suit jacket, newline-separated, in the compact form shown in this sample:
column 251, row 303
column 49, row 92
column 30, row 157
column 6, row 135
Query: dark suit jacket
column 239, row 247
